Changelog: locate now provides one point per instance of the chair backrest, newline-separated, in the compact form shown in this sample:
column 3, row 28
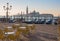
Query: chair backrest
column 15, row 26
column 31, row 26
column 8, row 29
column 22, row 30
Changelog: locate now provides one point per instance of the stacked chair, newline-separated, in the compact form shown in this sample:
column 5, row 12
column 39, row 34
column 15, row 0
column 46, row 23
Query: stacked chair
column 9, row 34
column 15, row 32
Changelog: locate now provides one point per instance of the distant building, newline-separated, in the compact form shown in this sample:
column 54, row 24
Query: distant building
column 47, row 16
column 34, row 16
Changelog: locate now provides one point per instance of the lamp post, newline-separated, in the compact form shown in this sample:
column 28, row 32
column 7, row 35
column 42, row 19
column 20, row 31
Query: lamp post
column 7, row 8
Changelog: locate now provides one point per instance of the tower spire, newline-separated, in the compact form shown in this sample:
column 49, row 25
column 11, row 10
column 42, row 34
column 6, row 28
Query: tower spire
column 27, row 10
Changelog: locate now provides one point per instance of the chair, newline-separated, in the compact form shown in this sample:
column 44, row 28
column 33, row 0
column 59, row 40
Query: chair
column 1, row 35
column 31, row 27
column 7, row 34
column 17, row 35
column 11, row 37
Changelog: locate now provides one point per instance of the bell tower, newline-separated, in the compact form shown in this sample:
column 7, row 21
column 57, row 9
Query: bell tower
column 27, row 10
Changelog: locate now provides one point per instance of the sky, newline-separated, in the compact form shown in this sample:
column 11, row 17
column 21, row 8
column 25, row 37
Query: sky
column 41, row 6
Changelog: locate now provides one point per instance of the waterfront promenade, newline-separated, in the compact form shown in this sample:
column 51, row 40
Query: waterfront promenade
column 43, row 32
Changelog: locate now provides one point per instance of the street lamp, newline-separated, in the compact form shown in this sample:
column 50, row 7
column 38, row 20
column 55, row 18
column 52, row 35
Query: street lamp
column 7, row 8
